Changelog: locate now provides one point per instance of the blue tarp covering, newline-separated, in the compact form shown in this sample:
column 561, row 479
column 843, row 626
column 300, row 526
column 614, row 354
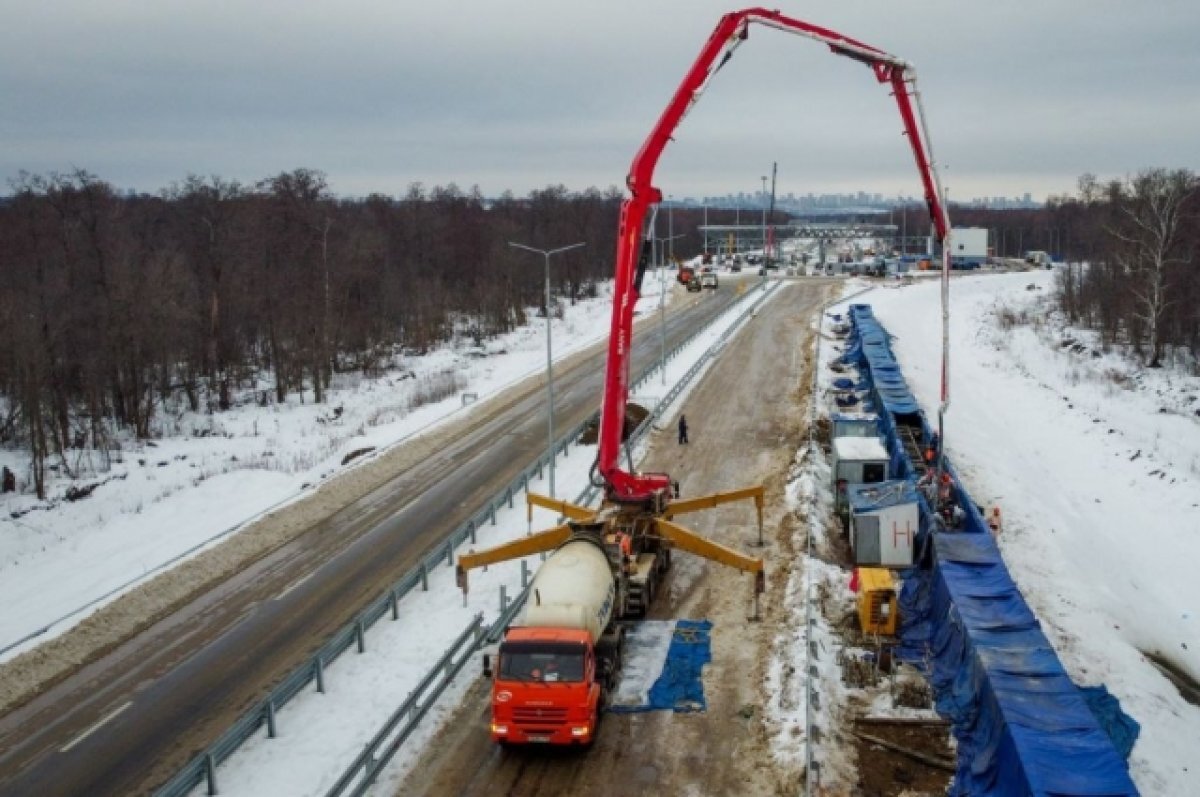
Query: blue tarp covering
column 1022, row 726
column 679, row 687
column 1121, row 728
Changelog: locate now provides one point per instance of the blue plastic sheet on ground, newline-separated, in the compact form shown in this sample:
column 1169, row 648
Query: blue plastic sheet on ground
column 679, row 687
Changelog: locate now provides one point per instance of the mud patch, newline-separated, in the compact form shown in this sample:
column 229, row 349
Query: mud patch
column 902, row 758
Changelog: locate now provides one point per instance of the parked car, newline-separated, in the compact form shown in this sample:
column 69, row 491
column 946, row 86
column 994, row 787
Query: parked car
column 708, row 280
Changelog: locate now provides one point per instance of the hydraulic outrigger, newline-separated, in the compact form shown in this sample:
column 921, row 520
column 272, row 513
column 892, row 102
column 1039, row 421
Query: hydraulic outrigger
column 638, row 508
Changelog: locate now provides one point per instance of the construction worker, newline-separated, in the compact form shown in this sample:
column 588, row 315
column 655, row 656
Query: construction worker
column 683, row 429
column 994, row 522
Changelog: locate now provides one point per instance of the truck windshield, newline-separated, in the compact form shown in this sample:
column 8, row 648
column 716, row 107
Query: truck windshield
column 547, row 663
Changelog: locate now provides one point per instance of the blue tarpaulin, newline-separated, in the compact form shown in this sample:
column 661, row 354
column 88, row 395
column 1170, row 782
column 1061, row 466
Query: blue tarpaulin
column 679, row 686
column 1022, row 726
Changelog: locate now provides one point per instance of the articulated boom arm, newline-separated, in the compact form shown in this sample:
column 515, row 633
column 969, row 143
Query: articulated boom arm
column 730, row 32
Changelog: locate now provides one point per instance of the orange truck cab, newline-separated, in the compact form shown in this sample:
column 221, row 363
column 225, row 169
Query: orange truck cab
column 546, row 688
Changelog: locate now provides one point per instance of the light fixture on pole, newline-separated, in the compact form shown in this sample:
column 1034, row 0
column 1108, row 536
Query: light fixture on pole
column 546, row 253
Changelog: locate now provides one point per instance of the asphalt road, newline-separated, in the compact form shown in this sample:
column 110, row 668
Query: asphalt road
column 746, row 423
column 128, row 721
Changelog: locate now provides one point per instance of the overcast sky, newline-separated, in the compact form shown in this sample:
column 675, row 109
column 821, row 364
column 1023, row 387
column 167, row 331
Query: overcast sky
column 504, row 94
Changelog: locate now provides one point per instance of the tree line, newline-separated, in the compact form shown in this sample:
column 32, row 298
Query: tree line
column 1129, row 247
column 115, row 303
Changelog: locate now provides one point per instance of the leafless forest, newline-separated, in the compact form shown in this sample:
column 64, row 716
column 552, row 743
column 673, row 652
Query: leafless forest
column 114, row 304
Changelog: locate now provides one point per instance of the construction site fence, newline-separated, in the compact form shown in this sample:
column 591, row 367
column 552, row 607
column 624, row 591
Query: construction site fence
column 202, row 769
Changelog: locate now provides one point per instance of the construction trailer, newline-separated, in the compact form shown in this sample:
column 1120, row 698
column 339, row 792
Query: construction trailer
column 884, row 520
column 856, row 460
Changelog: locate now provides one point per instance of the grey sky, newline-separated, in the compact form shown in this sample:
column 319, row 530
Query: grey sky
column 1020, row 95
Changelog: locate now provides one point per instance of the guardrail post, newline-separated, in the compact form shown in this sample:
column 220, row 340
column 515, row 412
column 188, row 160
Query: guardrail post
column 524, row 574
column 471, row 529
column 503, row 597
column 540, row 462
column 510, row 498
column 493, row 514
column 210, row 773
column 449, row 553
column 424, row 577
column 271, row 730
column 395, row 601
column 319, row 668
column 360, row 636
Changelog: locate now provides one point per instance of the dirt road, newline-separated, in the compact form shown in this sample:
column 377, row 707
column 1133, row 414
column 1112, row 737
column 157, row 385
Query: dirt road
column 745, row 425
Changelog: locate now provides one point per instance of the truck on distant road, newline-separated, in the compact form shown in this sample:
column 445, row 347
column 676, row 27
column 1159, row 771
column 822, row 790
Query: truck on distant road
column 1038, row 258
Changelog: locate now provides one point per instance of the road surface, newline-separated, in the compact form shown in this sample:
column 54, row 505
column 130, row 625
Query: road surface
column 746, row 422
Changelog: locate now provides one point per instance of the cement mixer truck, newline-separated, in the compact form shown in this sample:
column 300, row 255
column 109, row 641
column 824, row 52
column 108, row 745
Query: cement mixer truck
column 556, row 666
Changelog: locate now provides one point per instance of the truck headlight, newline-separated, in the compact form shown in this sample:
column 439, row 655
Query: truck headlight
column 499, row 730
column 581, row 730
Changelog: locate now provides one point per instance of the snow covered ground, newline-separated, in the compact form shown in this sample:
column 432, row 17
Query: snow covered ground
column 208, row 475
column 1095, row 462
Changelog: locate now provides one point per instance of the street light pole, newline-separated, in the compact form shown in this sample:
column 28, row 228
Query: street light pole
column 546, row 253
column 662, row 305
column 764, row 227
column 671, row 228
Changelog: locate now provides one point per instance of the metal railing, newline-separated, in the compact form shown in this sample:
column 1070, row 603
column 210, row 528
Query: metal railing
column 202, row 769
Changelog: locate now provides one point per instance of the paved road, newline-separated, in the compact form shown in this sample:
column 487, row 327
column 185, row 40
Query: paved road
column 746, row 424
column 130, row 720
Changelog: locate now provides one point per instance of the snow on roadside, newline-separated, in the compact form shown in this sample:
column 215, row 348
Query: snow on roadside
column 207, row 475
column 1094, row 462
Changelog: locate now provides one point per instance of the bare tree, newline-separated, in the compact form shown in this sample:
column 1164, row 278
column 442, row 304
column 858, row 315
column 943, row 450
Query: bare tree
column 1149, row 247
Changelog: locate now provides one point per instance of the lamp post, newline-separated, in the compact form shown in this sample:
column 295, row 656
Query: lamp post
column 764, row 227
column 662, row 309
column 546, row 253
column 670, row 228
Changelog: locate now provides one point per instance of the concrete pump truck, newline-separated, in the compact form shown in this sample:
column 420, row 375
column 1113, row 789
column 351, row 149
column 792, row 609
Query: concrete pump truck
column 553, row 670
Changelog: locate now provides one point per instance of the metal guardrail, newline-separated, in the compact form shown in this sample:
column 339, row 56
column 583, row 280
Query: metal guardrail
column 370, row 762
column 202, row 769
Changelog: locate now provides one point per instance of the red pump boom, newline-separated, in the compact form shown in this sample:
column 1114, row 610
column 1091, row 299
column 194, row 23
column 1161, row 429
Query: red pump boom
column 731, row 31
